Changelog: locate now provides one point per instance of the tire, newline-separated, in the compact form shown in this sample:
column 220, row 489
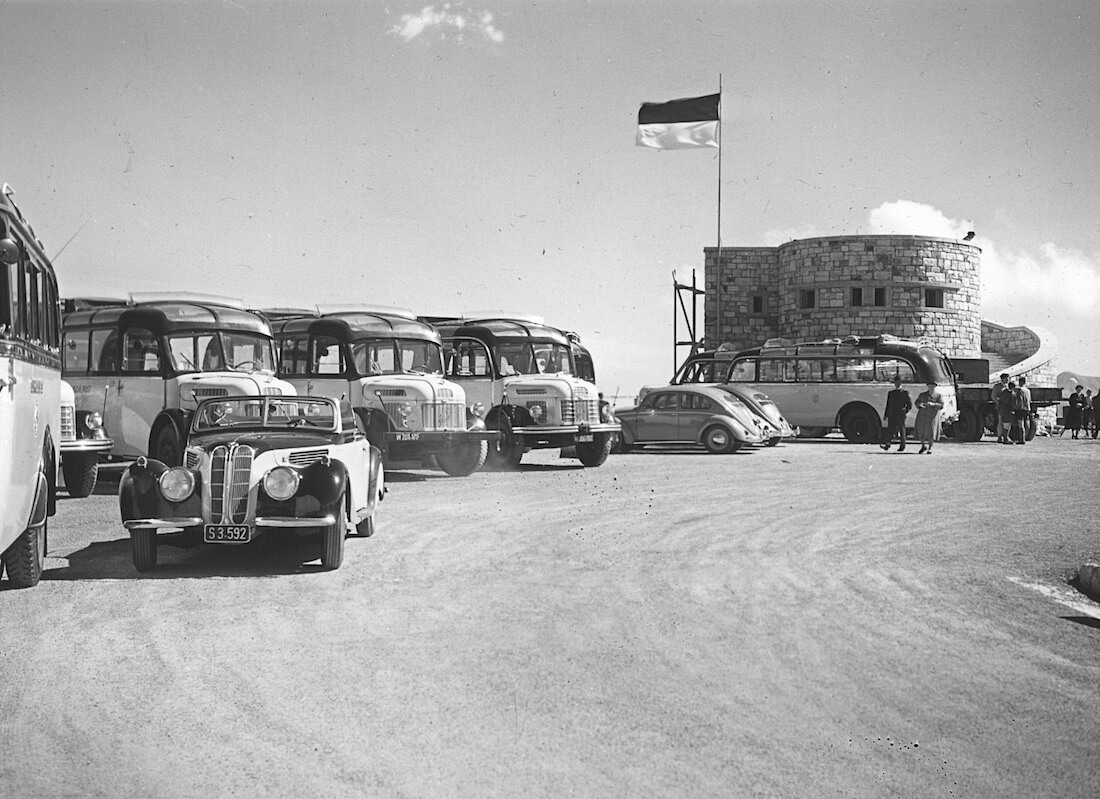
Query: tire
column 26, row 557
column 718, row 440
column 81, row 473
column 969, row 426
column 509, row 449
column 1032, row 427
column 813, row 432
column 464, row 459
column 861, row 425
column 167, row 446
column 594, row 452
column 332, row 542
column 143, row 546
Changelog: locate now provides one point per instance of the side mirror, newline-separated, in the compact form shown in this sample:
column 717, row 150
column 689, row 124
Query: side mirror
column 9, row 252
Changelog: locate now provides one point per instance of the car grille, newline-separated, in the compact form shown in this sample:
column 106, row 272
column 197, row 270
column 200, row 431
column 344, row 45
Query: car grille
column 230, row 470
column 578, row 411
column 68, row 423
column 191, row 459
column 306, row 456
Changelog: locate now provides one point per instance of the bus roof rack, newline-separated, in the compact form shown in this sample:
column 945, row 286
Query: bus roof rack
column 70, row 304
column 137, row 297
column 287, row 313
column 471, row 316
column 381, row 310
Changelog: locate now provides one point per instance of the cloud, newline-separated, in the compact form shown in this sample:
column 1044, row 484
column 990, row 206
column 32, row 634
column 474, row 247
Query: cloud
column 916, row 219
column 448, row 19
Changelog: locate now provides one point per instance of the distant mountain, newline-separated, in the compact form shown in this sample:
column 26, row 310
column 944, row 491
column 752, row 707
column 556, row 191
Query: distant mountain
column 1069, row 381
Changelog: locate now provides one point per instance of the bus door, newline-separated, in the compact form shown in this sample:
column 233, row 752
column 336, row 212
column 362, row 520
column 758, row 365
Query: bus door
column 139, row 392
column 22, row 427
column 471, row 367
column 328, row 370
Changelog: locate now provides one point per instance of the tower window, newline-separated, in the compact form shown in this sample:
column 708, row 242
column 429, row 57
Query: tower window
column 880, row 297
column 857, row 297
column 933, row 298
column 807, row 298
column 757, row 304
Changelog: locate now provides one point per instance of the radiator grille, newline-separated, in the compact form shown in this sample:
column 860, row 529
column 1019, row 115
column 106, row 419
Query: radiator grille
column 203, row 393
column 444, row 416
column 578, row 411
column 306, row 456
column 230, row 472
column 68, row 423
column 191, row 459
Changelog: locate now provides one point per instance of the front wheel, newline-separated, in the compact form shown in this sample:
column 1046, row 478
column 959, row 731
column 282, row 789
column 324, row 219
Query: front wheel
column 81, row 473
column 332, row 542
column 594, row 452
column 509, row 449
column 168, row 447
column 464, row 459
column 26, row 557
column 365, row 528
column 861, row 425
column 143, row 546
column 969, row 426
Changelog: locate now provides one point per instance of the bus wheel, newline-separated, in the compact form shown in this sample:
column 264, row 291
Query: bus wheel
column 718, row 440
column 26, row 556
column 509, row 449
column 969, row 426
column 594, row 452
column 81, row 472
column 1032, row 427
column 465, row 459
column 860, row 425
column 167, row 447
column 143, row 547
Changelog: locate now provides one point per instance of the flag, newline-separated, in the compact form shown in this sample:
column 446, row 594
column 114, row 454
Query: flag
column 679, row 124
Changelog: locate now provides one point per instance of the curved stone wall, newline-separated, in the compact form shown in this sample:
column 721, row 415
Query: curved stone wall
column 812, row 289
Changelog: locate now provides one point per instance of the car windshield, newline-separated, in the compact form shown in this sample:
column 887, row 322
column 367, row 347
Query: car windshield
column 229, row 351
column 268, row 413
column 527, row 358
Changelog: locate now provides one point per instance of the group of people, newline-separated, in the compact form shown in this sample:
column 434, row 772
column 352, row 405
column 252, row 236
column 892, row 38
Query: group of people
column 1082, row 413
column 1013, row 402
column 927, row 427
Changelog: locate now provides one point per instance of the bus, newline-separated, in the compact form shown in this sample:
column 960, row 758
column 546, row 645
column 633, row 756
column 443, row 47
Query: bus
column 30, row 395
column 389, row 366
column 145, row 363
column 837, row 383
column 524, row 374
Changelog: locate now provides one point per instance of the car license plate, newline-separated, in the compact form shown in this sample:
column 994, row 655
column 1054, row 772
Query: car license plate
column 226, row 533
column 584, row 437
column 408, row 436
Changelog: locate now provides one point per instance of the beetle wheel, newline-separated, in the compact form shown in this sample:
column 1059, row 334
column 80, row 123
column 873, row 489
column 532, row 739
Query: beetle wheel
column 718, row 440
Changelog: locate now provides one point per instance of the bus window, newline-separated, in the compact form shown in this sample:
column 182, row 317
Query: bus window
column 470, row 359
column 777, row 370
column 855, row 370
column 294, row 355
column 103, row 357
column 140, row 351
column 886, row 369
column 742, row 372
column 76, row 353
column 328, row 359
column 812, row 370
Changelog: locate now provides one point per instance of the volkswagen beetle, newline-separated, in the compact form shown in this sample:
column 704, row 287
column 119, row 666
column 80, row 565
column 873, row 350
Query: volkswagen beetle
column 254, row 465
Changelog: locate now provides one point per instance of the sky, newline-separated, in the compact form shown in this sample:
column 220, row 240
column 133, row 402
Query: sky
column 454, row 158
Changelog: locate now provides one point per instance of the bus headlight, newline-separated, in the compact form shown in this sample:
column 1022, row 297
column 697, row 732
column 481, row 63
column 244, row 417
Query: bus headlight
column 93, row 421
column 177, row 484
column 281, row 483
column 478, row 410
column 537, row 411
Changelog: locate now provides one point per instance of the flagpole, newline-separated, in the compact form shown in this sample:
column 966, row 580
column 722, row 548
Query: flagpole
column 718, row 254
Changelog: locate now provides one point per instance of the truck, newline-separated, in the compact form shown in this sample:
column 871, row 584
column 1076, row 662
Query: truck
column 978, row 413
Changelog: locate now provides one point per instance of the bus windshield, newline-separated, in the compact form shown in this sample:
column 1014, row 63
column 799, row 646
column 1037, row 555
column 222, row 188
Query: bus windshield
column 526, row 358
column 397, row 356
column 231, row 351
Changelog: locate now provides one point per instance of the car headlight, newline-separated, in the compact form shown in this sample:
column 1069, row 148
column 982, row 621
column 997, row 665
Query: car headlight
column 281, row 483
column 93, row 421
column 177, row 484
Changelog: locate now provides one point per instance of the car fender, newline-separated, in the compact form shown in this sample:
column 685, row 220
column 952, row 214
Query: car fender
column 737, row 430
column 326, row 482
column 139, row 494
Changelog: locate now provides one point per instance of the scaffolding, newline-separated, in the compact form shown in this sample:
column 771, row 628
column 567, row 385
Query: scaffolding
column 690, row 319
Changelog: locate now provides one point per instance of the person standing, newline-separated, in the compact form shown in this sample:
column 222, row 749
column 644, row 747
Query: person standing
column 1073, row 412
column 998, row 390
column 929, row 404
column 1006, row 407
column 898, row 406
column 1088, row 411
column 1023, row 407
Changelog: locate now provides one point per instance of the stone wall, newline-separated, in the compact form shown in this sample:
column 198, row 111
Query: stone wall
column 824, row 272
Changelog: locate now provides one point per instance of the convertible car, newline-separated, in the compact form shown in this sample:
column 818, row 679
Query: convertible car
column 253, row 465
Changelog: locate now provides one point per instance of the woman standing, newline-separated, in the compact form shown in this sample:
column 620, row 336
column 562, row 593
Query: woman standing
column 1073, row 412
column 929, row 404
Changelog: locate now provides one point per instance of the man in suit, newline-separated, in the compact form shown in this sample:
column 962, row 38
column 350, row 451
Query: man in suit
column 898, row 406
